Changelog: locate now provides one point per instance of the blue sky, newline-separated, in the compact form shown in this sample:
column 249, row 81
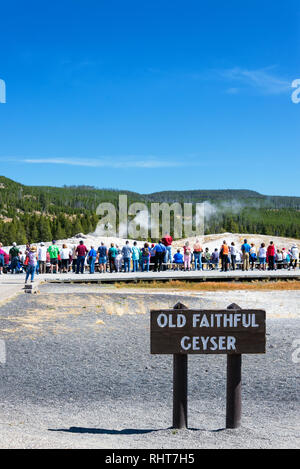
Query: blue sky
column 150, row 96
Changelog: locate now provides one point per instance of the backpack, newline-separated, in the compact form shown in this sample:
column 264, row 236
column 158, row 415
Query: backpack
column 146, row 252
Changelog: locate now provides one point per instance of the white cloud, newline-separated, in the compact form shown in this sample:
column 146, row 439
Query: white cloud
column 109, row 162
column 262, row 79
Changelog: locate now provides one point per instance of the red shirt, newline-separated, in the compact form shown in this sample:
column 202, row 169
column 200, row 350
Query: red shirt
column 81, row 250
column 271, row 250
column 167, row 240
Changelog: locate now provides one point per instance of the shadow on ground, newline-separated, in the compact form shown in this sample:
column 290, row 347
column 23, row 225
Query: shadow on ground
column 125, row 431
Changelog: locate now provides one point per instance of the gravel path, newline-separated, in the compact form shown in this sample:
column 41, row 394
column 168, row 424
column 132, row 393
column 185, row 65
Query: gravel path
column 78, row 374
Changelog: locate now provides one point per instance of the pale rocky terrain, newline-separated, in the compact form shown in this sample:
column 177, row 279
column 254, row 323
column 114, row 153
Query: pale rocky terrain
column 211, row 241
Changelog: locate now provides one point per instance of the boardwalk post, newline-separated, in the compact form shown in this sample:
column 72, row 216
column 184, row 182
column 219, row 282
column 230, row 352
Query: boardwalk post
column 180, row 379
column 234, row 387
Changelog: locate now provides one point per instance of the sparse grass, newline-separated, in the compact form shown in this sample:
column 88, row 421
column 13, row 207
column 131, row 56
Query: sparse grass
column 214, row 286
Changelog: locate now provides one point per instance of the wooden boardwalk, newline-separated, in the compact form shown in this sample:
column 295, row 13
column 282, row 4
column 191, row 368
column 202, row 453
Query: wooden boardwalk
column 199, row 276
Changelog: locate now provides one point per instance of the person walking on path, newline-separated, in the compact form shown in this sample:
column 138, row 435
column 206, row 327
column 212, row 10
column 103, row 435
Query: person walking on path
column 32, row 263
column 245, row 255
column 81, row 252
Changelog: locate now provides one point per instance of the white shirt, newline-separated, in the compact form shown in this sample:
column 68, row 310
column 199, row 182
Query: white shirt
column 42, row 253
column 65, row 253
column 262, row 252
column 295, row 253
column 233, row 250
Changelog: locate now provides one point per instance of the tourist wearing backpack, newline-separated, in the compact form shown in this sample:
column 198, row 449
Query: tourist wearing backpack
column 145, row 257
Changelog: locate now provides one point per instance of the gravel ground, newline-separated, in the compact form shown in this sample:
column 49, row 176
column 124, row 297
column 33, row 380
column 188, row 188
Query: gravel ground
column 78, row 374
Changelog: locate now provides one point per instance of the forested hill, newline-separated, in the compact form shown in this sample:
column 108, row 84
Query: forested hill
column 35, row 213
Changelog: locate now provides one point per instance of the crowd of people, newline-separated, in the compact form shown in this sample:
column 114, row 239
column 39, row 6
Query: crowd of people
column 156, row 257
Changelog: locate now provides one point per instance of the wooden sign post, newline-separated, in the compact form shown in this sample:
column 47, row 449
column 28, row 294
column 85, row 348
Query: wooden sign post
column 182, row 331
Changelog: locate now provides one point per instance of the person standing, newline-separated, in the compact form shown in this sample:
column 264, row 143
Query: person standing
column 245, row 255
column 102, row 257
column 65, row 253
column 187, row 256
column 14, row 258
column 145, row 257
column 207, row 257
column 92, row 259
column 32, row 263
column 126, row 252
column 112, row 254
column 262, row 256
column 252, row 256
column 224, row 256
column 160, row 251
column 42, row 251
column 152, row 257
column 53, row 252
column 118, row 259
column 233, row 252
column 271, row 251
column 215, row 259
column 1, row 259
column 167, row 241
column 135, row 257
column 294, row 256
column 198, row 255
column 81, row 252
column 74, row 258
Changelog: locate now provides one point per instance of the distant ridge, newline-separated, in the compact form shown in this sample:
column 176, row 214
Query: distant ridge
column 37, row 213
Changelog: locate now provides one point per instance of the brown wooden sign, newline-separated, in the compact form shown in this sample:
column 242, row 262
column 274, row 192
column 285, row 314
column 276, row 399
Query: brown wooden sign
column 191, row 331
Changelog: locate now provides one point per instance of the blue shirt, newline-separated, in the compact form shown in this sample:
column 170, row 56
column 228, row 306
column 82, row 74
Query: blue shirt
column 178, row 258
column 92, row 253
column 102, row 251
column 246, row 247
column 160, row 247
